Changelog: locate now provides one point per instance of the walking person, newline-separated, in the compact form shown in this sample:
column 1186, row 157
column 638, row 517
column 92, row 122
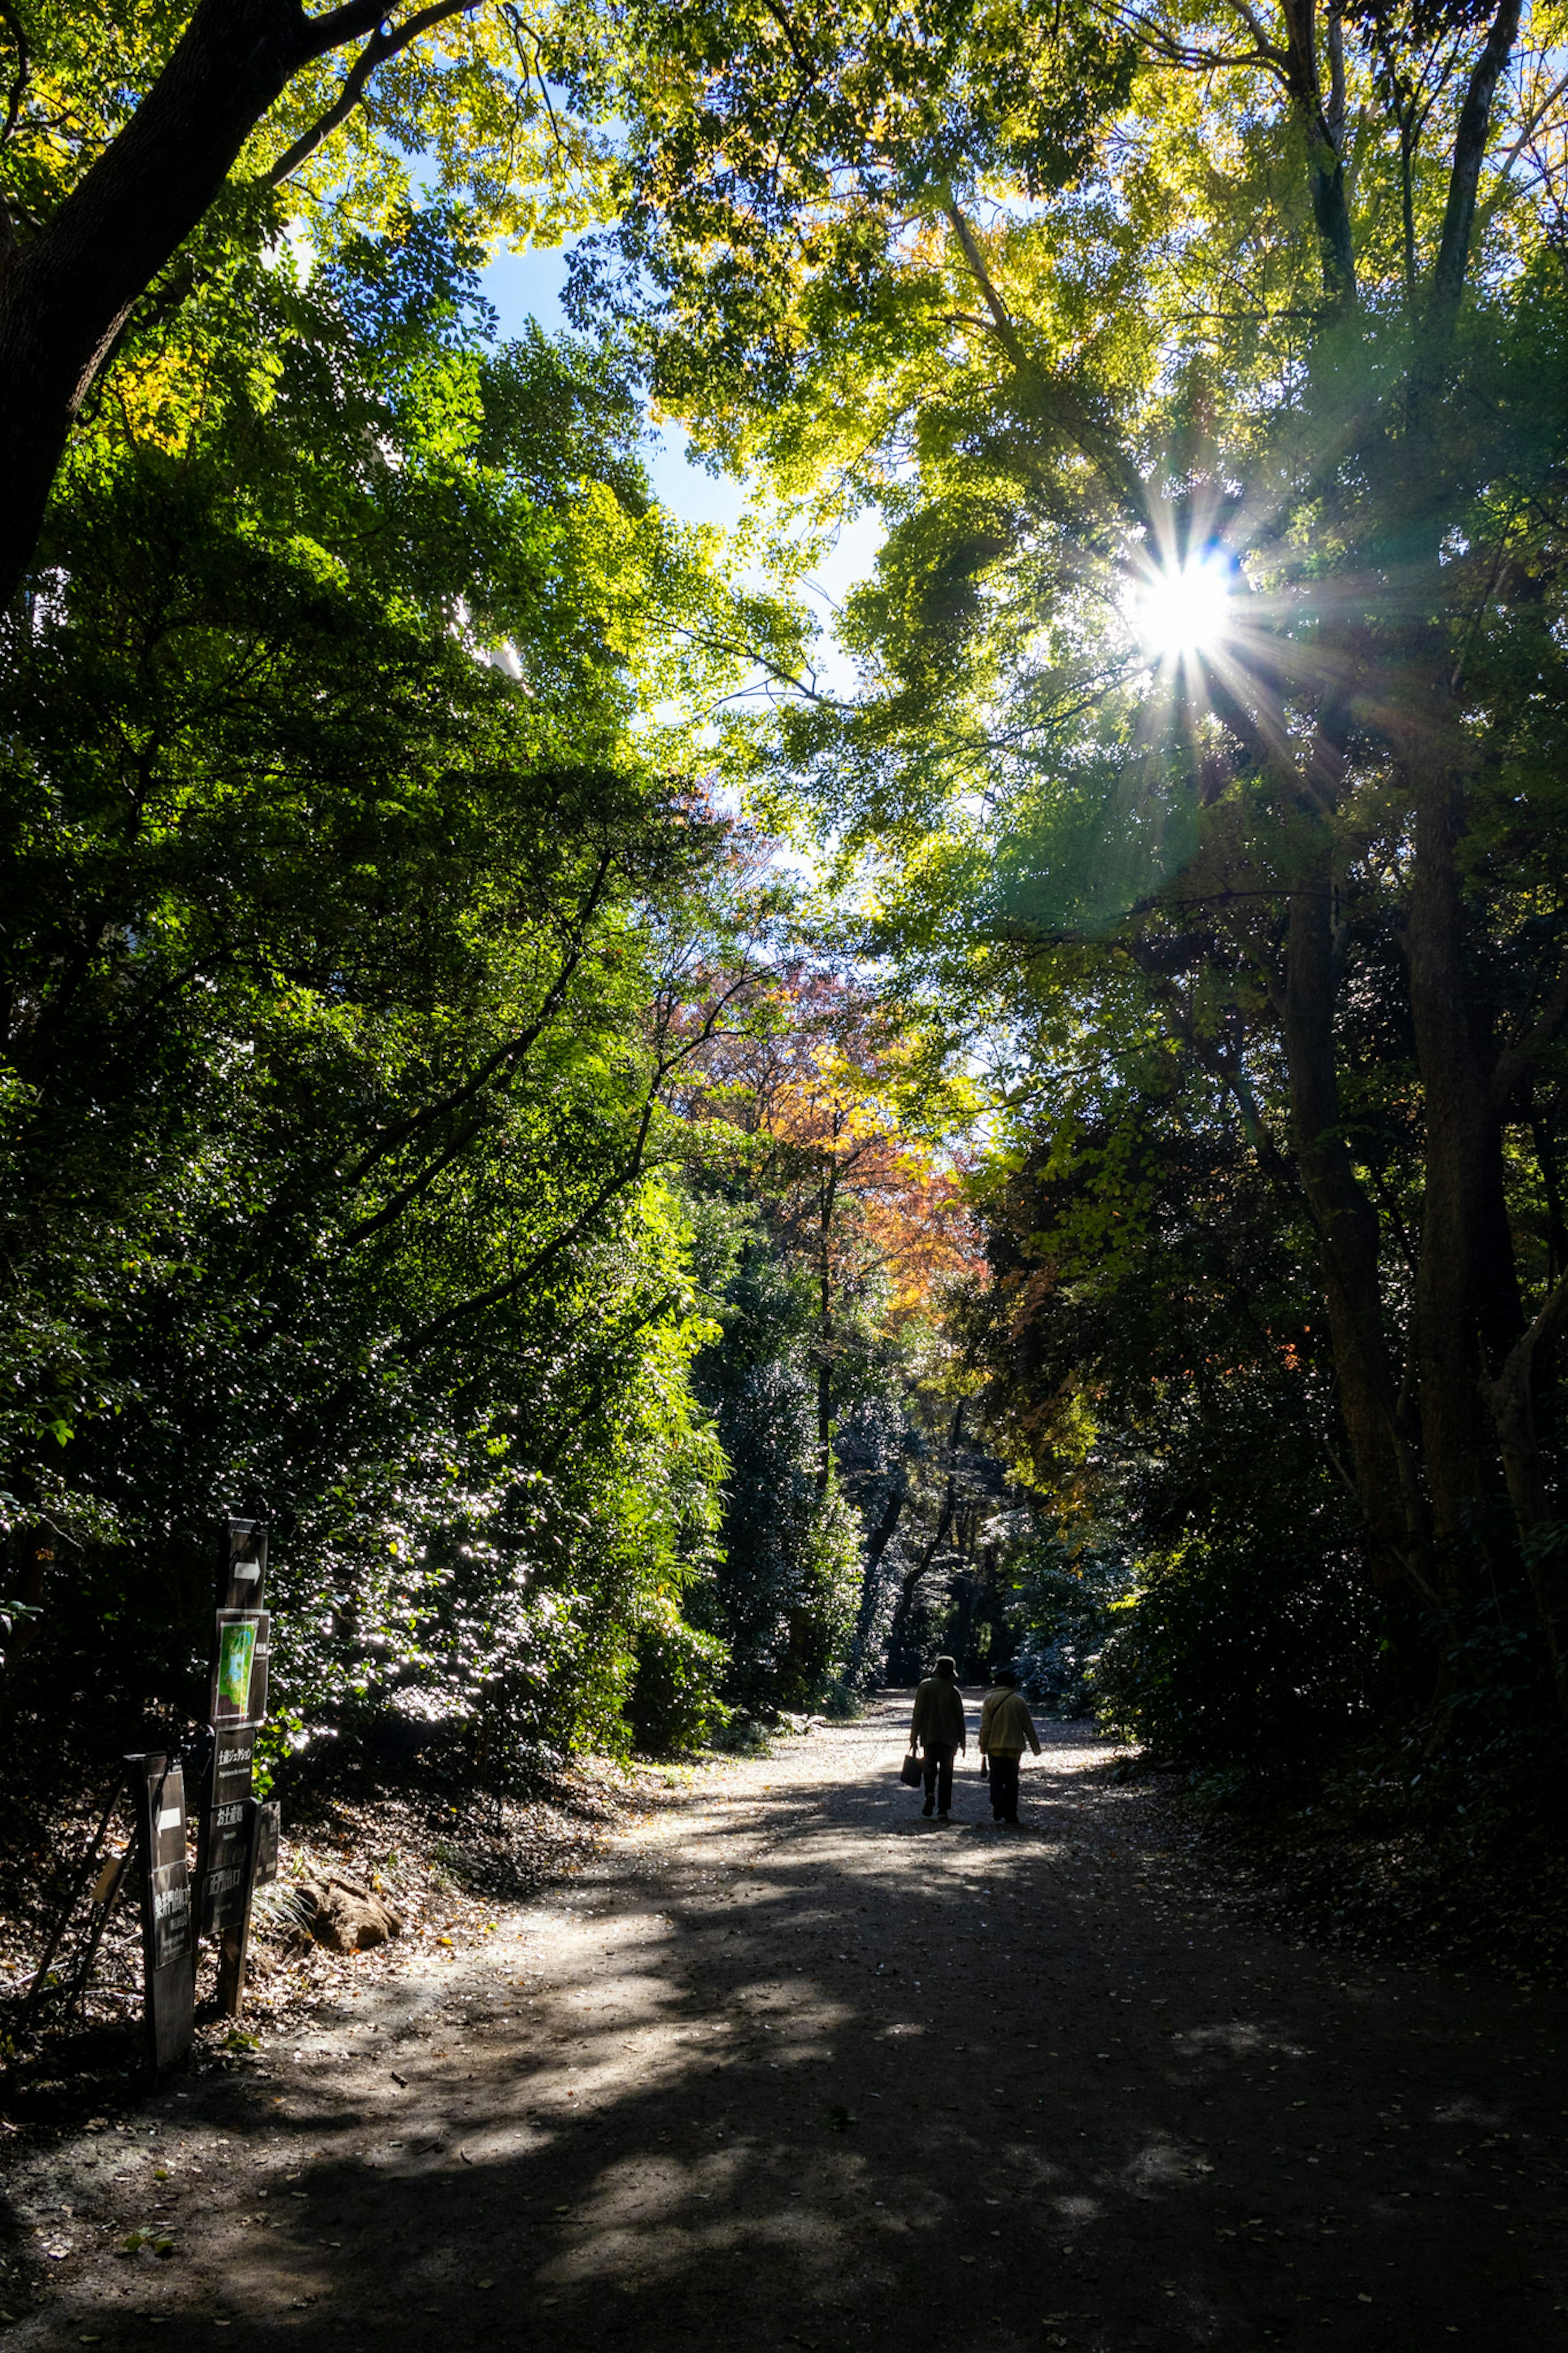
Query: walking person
column 1005, row 1725
column 937, row 1726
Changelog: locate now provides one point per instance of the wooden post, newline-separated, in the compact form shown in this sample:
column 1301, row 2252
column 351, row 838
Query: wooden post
column 234, row 1929
column 158, row 1794
column 237, row 1708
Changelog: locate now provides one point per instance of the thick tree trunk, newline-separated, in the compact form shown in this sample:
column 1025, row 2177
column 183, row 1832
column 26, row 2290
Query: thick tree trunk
column 65, row 295
column 1467, row 1311
column 1386, row 1485
column 1512, row 1397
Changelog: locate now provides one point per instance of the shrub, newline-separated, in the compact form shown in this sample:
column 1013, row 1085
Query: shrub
column 1252, row 1652
column 674, row 1706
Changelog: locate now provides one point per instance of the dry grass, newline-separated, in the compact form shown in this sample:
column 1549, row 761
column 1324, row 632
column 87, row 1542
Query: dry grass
column 446, row 1871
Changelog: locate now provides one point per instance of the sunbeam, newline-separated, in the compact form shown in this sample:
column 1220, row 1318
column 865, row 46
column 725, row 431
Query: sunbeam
column 1182, row 610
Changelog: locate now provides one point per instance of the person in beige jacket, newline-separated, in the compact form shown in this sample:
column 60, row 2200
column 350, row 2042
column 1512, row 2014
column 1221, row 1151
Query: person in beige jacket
column 1006, row 1725
column 937, row 1727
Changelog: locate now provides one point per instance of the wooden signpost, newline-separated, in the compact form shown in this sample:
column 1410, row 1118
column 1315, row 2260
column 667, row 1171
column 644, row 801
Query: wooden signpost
column 239, row 1847
column 168, row 1942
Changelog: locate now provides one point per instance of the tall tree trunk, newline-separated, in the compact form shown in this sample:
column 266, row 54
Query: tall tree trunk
column 1387, row 1487
column 908, row 1585
column 65, row 295
column 881, row 1535
column 1467, row 1309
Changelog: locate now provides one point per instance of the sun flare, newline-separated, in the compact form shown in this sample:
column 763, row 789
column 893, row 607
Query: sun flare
column 1182, row 610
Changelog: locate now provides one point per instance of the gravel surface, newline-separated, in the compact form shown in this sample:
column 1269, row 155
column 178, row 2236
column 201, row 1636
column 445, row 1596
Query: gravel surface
column 788, row 2066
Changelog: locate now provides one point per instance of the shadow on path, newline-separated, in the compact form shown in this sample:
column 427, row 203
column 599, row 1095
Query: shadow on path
column 792, row 2067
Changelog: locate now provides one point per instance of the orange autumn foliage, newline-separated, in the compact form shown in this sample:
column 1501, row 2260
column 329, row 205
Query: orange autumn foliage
column 862, row 1197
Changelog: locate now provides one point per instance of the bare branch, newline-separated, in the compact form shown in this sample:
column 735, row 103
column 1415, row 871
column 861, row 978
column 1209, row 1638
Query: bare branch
column 1535, row 122
column 19, row 80
column 1190, row 56
column 385, row 42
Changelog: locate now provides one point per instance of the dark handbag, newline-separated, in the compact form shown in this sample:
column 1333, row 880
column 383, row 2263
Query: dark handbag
column 912, row 1772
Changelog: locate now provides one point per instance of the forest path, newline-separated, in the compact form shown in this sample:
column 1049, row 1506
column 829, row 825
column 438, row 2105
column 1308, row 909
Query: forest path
column 789, row 2067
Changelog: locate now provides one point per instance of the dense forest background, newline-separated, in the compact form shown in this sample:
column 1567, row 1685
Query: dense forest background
column 683, row 1154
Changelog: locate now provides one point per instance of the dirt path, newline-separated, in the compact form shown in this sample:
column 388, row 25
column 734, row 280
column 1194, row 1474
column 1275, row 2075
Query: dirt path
column 791, row 2067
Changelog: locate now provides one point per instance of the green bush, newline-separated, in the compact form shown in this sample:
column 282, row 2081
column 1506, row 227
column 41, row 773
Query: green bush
column 1254, row 1652
column 823, row 1622
column 674, row 1706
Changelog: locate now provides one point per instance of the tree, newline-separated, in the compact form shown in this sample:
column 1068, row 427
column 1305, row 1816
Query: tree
column 1293, row 319
column 855, row 1191
column 845, row 1233
column 364, row 910
column 120, row 137
column 1160, row 1376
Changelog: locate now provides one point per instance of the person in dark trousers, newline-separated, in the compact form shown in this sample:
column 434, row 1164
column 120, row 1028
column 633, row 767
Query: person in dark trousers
column 938, row 1727
column 1006, row 1725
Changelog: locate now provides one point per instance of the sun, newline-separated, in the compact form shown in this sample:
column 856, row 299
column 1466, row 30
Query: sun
column 1182, row 611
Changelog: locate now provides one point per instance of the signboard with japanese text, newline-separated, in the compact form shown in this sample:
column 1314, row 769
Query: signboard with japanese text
column 226, row 1873
column 234, row 1850
column 168, row 1941
column 233, row 1767
column 269, row 1830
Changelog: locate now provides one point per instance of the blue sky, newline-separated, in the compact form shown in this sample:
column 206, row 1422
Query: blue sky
column 520, row 284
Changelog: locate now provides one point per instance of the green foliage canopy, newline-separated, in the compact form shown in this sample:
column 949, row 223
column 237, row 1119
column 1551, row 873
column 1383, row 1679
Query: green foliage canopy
column 365, row 905
column 1289, row 303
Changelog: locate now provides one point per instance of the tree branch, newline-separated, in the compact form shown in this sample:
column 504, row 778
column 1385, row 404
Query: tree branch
column 416, row 1342
column 1266, row 47
column 1516, row 1058
column 387, row 41
column 339, row 25
column 1469, row 151
column 508, row 1051
column 1071, row 412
